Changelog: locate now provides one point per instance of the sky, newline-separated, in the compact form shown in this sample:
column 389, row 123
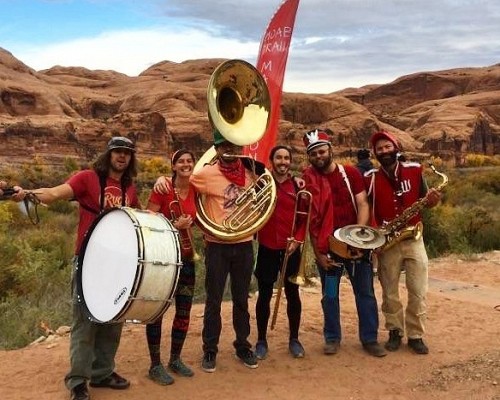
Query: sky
column 336, row 44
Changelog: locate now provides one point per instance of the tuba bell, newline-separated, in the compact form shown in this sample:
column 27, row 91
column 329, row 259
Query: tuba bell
column 239, row 107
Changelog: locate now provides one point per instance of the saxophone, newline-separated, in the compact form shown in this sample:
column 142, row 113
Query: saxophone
column 395, row 230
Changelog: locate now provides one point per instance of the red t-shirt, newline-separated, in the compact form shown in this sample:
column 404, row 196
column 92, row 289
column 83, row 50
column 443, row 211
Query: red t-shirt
column 343, row 208
column 278, row 228
column 164, row 199
column 332, row 203
column 87, row 191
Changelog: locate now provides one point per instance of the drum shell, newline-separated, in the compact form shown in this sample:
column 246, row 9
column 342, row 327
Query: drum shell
column 129, row 266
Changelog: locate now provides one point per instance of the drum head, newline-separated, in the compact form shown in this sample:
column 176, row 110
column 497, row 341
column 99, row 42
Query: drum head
column 109, row 265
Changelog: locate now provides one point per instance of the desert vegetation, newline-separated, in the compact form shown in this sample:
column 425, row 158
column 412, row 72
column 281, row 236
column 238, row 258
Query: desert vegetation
column 35, row 262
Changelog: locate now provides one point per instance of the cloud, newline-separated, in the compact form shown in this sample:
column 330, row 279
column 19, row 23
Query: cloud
column 336, row 43
column 131, row 52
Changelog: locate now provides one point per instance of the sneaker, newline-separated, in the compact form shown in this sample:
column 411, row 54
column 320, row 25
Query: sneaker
column 159, row 374
column 296, row 349
column 418, row 346
column 247, row 357
column 180, row 368
column 331, row 347
column 208, row 362
column 394, row 341
column 261, row 349
column 80, row 392
column 374, row 349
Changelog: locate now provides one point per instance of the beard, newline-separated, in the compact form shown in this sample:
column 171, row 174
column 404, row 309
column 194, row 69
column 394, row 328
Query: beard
column 281, row 170
column 387, row 159
column 118, row 167
column 324, row 164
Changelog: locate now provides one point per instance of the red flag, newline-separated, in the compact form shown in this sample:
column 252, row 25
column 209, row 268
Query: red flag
column 271, row 63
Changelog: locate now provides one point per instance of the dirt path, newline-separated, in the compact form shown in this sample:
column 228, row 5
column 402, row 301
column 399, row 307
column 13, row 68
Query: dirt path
column 463, row 336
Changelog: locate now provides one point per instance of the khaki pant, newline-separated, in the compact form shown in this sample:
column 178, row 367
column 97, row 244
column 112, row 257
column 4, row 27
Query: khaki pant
column 408, row 255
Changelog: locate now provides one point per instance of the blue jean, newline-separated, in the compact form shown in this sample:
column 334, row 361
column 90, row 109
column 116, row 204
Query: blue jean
column 361, row 276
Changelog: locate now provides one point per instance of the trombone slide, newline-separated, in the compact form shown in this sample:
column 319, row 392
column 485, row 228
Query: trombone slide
column 299, row 278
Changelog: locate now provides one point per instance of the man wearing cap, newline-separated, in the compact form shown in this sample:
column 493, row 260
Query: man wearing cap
column 221, row 183
column 392, row 188
column 339, row 199
column 109, row 184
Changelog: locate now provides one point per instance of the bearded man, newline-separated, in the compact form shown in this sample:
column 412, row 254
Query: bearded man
column 339, row 199
column 276, row 241
column 392, row 188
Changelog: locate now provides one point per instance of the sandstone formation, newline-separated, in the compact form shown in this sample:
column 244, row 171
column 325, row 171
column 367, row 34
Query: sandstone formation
column 72, row 112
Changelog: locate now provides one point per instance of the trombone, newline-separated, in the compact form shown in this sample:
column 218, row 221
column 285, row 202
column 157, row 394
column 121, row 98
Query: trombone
column 303, row 197
column 185, row 235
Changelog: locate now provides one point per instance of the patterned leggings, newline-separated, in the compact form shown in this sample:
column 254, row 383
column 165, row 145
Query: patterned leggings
column 183, row 302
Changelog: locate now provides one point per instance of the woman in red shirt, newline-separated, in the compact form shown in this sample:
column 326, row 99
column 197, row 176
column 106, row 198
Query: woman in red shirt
column 182, row 168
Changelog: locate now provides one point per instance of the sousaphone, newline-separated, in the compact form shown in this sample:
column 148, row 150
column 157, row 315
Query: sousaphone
column 239, row 107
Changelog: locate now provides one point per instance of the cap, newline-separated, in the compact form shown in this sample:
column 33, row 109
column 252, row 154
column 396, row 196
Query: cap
column 120, row 142
column 315, row 138
column 384, row 135
column 218, row 138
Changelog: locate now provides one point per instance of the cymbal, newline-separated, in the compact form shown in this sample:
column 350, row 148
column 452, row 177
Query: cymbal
column 360, row 236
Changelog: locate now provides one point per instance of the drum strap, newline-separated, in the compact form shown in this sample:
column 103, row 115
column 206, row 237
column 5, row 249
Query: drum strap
column 102, row 184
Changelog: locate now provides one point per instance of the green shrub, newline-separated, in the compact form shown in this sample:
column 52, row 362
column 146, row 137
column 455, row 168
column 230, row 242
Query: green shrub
column 35, row 262
column 467, row 221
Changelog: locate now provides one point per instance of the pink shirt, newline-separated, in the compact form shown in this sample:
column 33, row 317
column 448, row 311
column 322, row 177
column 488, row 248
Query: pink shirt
column 220, row 195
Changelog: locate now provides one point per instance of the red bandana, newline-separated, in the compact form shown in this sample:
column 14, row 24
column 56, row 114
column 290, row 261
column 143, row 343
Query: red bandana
column 234, row 172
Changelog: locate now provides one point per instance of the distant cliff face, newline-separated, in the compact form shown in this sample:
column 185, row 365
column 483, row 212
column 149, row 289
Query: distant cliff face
column 72, row 112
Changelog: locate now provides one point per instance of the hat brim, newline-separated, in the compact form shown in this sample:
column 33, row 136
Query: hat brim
column 121, row 147
column 317, row 144
column 385, row 136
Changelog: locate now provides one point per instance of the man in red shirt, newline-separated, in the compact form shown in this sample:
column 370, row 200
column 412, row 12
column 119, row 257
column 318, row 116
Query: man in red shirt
column 394, row 187
column 273, row 245
column 109, row 184
column 339, row 199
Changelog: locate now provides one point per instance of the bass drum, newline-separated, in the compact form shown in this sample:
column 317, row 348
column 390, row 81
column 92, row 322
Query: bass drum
column 129, row 266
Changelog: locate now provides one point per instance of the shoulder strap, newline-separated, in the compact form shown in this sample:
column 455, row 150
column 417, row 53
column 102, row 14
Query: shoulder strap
column 102, row 184
column 124, row 190
column 348, row 184
column 295, row 185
